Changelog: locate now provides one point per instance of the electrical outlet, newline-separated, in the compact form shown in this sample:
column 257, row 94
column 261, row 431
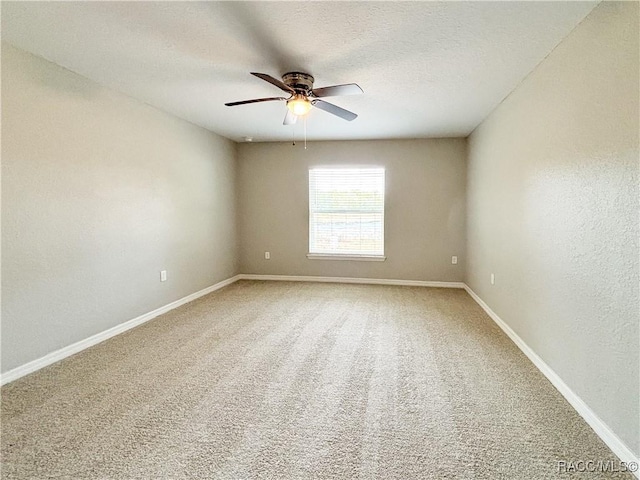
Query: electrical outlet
column 163, row 276
column 454, row 260
column 267, row 255
column 493, row 279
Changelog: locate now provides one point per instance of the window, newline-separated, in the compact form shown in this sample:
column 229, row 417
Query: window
column 346, row 213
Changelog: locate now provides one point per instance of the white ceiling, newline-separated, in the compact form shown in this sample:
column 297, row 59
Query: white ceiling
column 428, row 69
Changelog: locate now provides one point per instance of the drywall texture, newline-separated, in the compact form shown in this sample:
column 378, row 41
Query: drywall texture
column 99, row 193
column 424, row 207
column 553, row 212
column 428, row 68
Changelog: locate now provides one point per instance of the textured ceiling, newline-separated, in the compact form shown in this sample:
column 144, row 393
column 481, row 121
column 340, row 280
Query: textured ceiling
column 428, row 69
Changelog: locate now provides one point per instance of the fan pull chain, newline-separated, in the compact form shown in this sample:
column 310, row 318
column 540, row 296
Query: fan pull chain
column 293, row 134
column 305, row 132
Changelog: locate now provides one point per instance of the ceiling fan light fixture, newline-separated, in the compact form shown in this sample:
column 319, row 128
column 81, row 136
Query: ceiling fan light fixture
column 302, row 96
column 299, row 105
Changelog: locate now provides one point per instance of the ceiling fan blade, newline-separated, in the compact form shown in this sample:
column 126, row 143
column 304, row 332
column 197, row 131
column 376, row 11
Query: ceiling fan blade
column 290, row 118
column 255, row 100
column 335, row 90
column 334, row 109
column 274, row 81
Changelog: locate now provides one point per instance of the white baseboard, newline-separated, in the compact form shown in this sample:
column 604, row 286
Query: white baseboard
column 366, row 281
column 74, row 348
column 616, row 445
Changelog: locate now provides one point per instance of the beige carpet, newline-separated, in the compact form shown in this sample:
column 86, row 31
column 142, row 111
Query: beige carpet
column 298, row 381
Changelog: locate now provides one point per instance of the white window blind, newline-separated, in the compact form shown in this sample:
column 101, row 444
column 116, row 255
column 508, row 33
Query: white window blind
column 346, row 211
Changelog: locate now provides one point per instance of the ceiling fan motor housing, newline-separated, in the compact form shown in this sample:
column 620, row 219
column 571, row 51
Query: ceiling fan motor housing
column 302, row 83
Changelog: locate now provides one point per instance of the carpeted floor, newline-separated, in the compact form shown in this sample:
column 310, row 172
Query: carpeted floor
column 299, row 381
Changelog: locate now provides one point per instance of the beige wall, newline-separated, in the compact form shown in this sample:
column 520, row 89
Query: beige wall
column 424, row 207
column 553, row 212
column 99, row 193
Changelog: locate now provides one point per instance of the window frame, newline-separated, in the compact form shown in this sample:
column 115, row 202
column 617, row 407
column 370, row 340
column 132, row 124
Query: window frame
column 367, row 257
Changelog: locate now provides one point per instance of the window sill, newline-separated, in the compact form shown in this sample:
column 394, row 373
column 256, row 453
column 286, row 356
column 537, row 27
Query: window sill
column 359, row 258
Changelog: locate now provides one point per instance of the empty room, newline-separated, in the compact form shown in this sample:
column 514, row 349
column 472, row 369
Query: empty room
column 320, row 240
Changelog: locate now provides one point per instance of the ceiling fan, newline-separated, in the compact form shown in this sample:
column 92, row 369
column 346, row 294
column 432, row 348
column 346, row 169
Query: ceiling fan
column 302, row 96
